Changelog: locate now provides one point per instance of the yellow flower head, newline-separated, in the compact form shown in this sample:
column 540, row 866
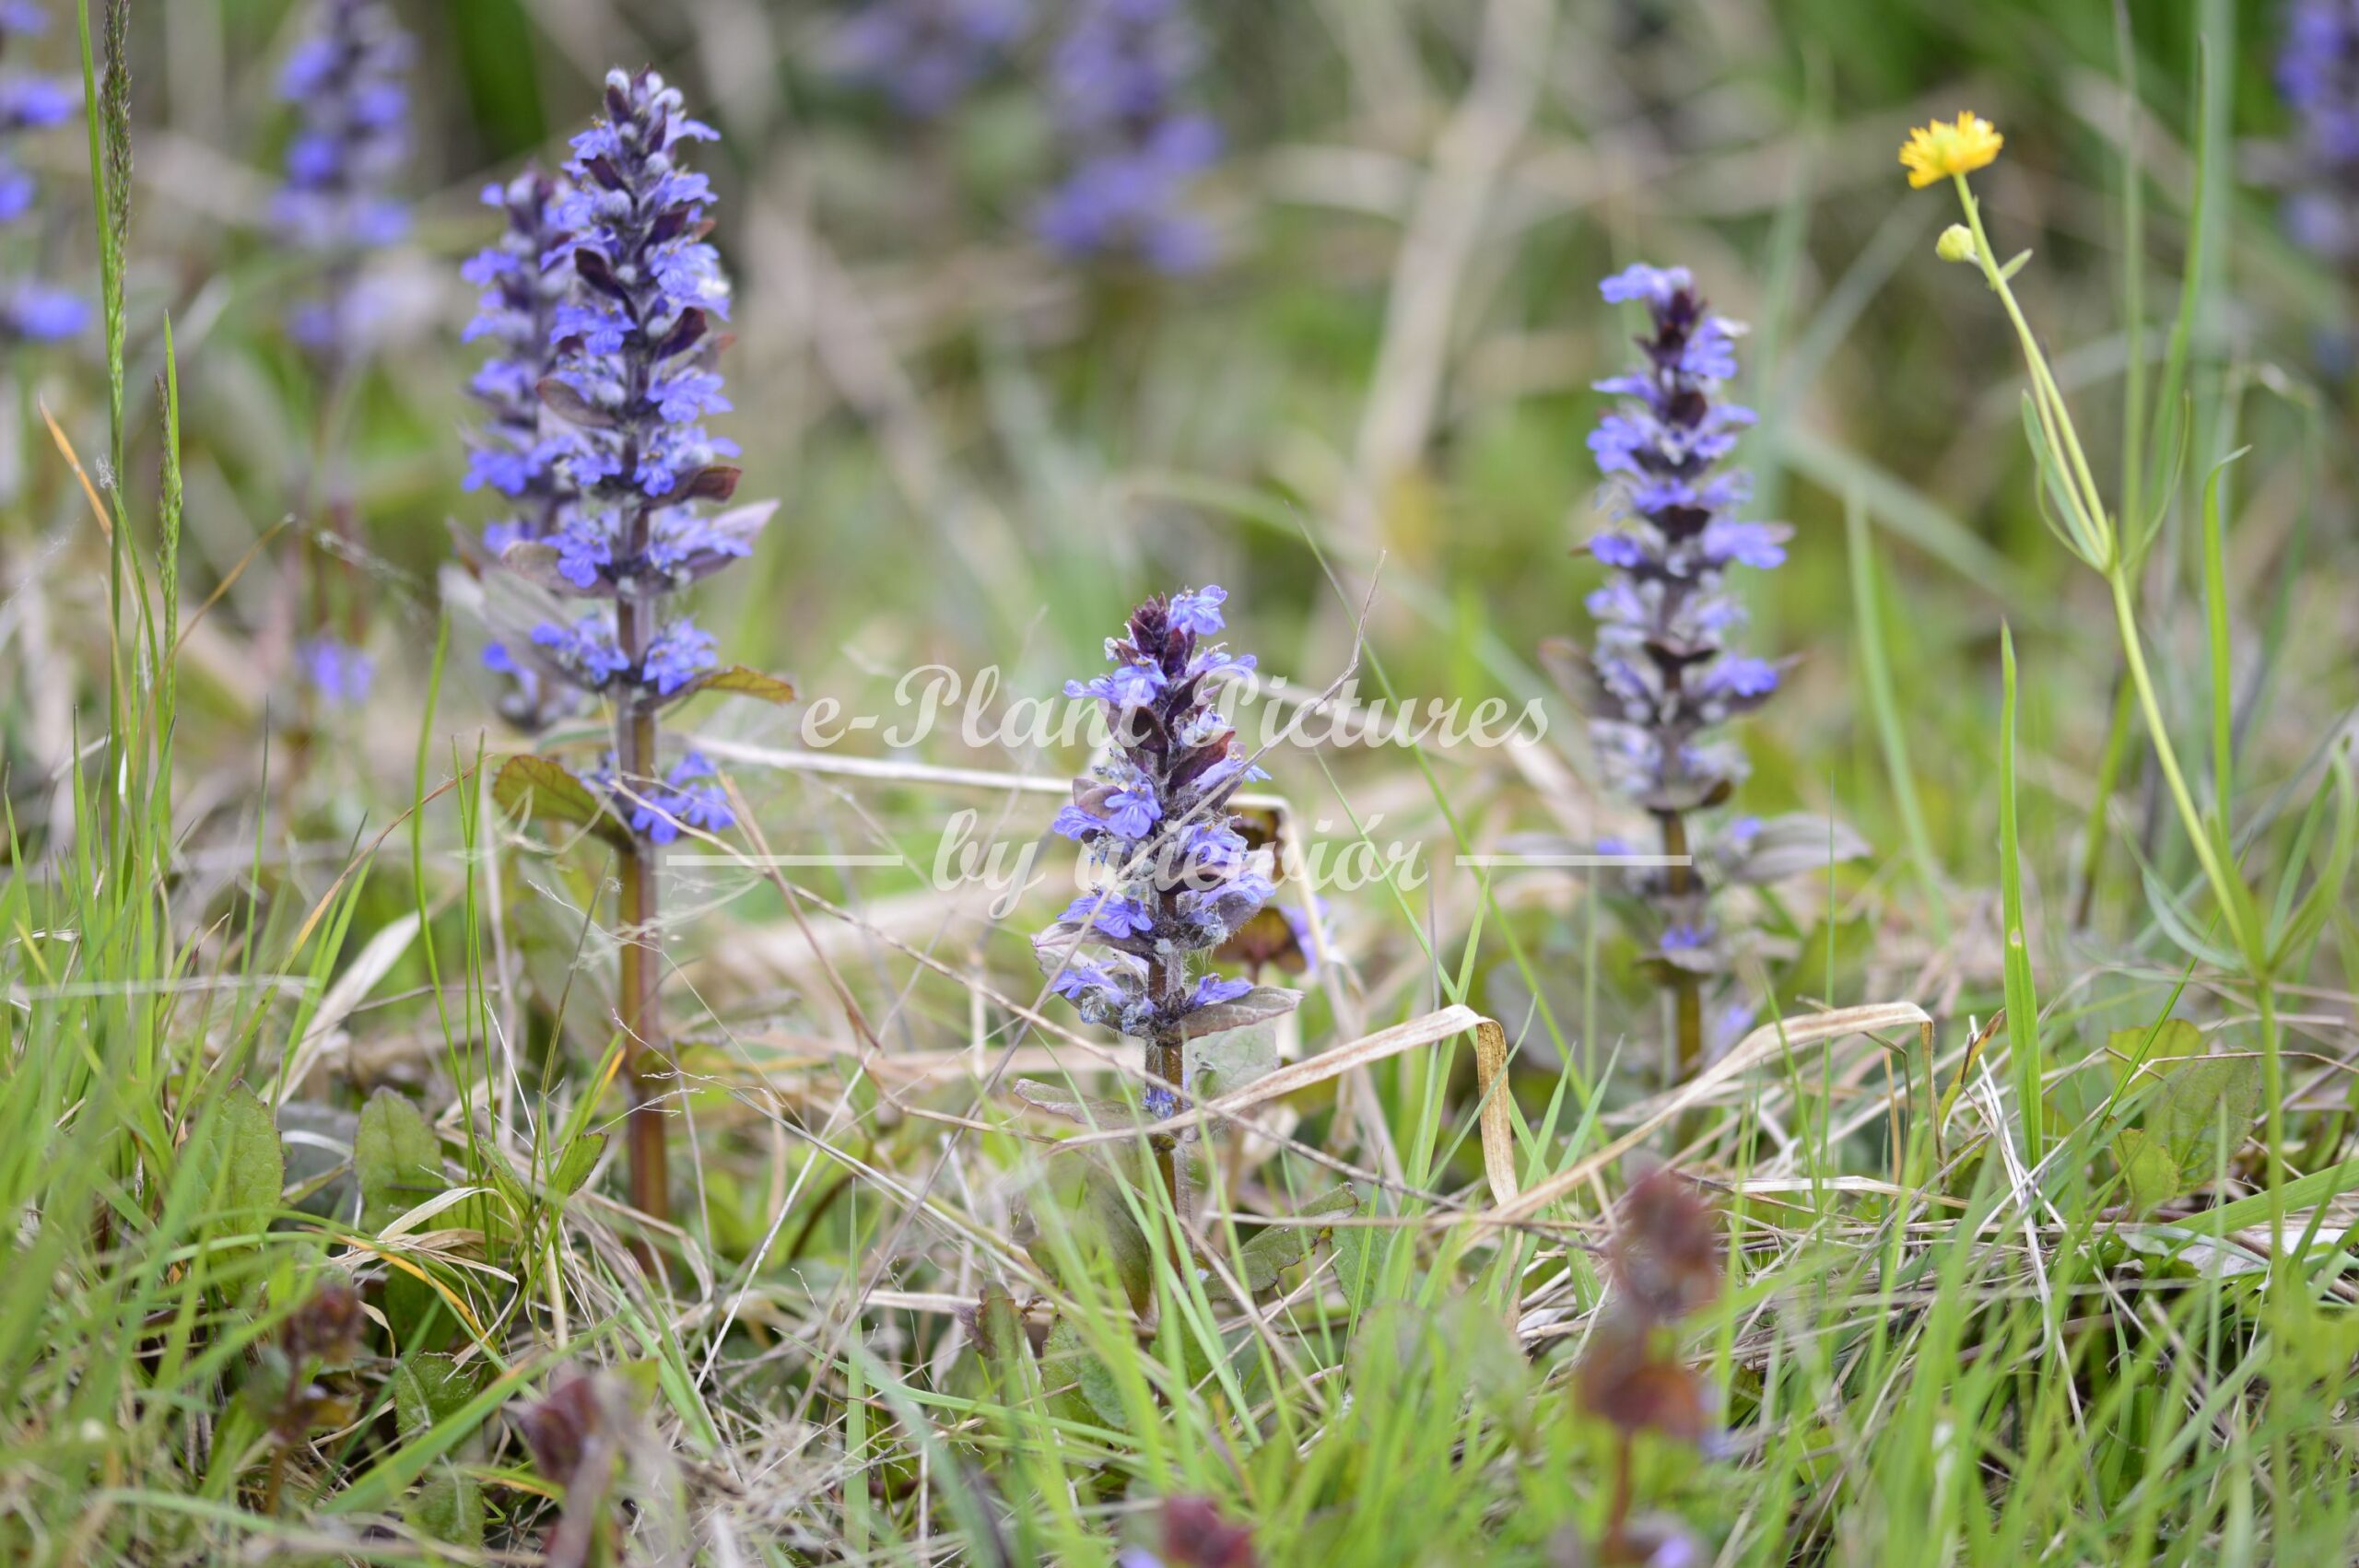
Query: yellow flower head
column 1938, row 150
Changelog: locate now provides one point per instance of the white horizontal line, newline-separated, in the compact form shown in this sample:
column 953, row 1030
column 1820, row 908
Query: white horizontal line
column 1486, row 862
column 784, row 860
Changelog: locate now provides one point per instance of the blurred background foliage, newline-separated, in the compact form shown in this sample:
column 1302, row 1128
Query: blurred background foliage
column 986, row 453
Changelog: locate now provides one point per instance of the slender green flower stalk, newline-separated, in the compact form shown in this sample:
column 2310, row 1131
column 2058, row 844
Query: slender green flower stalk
column 2072, row 501
column 2268, row 945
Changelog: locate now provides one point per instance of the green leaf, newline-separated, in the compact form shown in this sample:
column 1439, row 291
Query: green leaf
column 2215, row 618
column 1065, row 1359
column 2134, row 1048
column 449, row 1508
column 254, row 1167
column 573, row 1167
column 2296, row 929
column 2149, row 1175
column 1274, row 1250
column 2178, row 925
column 1087, row 1109
column 1224, row 1063
column 1875, row 665
column 397, row 1157
column 999, row 1339
column 2202, row 1097
column 2055, row 494
column 549, row 789
column 1081, row 1213
column 1117, row 1231
column 429, row 1390
column 739, row 681
column 1257, row 1006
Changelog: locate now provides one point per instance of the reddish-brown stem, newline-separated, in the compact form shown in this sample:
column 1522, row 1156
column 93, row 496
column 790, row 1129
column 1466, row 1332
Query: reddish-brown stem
column 644, row 1065
column 645, row 1062
column 1616, row 1547
column 1167, row 1057
column 1687, row 990
column 273, row 1480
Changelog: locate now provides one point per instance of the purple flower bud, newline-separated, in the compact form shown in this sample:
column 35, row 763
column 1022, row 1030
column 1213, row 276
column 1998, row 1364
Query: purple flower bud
column 1131, row 814
column 1655, row 285
column 1215, row 989
column 1199, row 612
column 1740, row 677
column 1113, row 917
column 679, row 653
column 1618, row 550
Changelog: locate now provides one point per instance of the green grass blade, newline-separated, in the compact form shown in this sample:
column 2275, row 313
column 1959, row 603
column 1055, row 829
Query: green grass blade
column 2023, row 1003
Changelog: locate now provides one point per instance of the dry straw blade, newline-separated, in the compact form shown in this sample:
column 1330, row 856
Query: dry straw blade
column 1499, row 1144
column 1762, row 1045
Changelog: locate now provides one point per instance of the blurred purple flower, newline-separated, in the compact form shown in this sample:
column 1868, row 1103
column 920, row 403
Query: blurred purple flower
column 34, row 103
column 1119, row 78
column 2318, row 76
column 927, row 54
column 339, row 672
column 36, row 312
column 591, row 655
column 689, row 795
column 348, row 82
column 518, row 451
column 31, row 311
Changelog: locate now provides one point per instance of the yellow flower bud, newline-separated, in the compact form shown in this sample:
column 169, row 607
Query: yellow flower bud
column 1956, row 243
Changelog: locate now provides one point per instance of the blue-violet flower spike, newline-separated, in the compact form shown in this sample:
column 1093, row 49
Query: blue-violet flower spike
column 1178, row 878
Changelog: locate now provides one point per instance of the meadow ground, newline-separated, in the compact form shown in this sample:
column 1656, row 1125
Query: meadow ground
column 1627, row 1036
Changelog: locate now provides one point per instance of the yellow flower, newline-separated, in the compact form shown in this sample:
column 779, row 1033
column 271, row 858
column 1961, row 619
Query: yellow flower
column 1938, row 150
